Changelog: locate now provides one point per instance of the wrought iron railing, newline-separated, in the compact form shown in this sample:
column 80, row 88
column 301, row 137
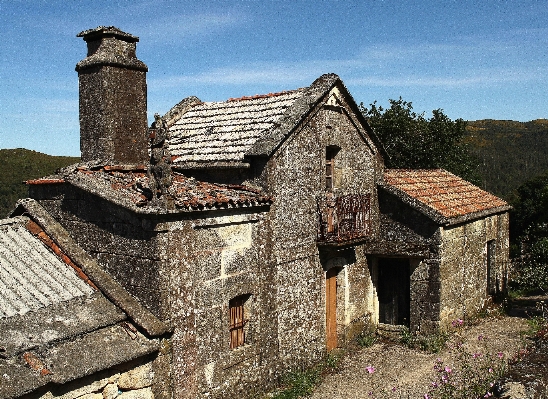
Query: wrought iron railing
column 343, row 218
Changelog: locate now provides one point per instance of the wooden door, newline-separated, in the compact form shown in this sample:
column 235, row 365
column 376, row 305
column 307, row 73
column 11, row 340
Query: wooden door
column 331, row 308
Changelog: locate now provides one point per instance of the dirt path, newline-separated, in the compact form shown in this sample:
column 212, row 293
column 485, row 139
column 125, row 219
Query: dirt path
column 411, row 372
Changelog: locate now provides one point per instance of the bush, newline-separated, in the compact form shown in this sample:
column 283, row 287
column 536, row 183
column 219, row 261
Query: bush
column 532, row 269
column 299, row 383
column 431, row 343
column 366, row 339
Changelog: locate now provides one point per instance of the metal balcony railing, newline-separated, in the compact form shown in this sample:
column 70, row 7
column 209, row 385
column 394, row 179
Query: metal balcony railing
column 344, row 218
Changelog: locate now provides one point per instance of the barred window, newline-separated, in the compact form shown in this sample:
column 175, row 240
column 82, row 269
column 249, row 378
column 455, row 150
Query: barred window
column 491, row 268
column 237, row 321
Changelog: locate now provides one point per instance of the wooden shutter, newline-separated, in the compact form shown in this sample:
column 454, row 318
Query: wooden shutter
column 329, row 167
column 237, row 322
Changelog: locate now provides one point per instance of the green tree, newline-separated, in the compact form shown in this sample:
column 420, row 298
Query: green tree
column 529, row 217
column 529, row 233
column 414, row 142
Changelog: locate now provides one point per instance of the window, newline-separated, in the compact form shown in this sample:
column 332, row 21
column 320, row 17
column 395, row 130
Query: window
column 491, row 283
column 237, row 321
column 330, row 153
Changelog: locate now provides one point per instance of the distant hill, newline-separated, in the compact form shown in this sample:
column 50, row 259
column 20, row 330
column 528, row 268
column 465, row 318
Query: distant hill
column 509, row 152
column 19, row 165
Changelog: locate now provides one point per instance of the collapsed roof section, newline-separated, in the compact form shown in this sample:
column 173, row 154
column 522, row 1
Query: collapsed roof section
column 129, row 187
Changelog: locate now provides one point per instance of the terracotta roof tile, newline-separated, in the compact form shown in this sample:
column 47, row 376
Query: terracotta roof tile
column 186, row 193
column 445, row 193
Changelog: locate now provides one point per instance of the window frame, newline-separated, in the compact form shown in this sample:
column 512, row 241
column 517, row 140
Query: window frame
column 330, row 154
column 237, row 321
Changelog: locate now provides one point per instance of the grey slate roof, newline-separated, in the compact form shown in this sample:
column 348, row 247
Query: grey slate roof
column 226, row 131
column 31, row 276
column 223, row 134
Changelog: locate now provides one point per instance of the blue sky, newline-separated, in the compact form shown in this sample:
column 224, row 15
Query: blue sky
column 474, row 59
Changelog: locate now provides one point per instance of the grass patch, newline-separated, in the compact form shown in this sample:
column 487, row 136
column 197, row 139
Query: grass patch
column 366, row 339
column 297, row 384
column 431, row 343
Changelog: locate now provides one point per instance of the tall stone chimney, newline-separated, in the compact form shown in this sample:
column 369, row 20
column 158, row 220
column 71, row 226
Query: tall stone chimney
column 113, row 98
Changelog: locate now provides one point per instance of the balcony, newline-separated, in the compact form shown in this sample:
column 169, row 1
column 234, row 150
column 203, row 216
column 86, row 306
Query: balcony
column 343, row 220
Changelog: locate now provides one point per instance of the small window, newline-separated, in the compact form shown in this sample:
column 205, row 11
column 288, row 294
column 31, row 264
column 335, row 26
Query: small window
column 490, row 262
column 330, row 153
column 237, row 321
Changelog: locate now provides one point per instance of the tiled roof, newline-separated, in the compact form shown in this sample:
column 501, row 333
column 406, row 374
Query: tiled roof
column 442, row 192
column 32, row 276
column 129, row 187
column 225, row 131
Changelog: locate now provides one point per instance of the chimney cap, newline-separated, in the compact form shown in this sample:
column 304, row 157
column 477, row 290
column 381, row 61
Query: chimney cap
column 107, row 31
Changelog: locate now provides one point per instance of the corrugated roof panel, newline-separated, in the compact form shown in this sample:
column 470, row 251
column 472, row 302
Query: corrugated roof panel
column 31, row 276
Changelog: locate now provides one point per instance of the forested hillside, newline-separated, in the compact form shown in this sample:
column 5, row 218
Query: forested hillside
column 509, row 152
column 19, row 165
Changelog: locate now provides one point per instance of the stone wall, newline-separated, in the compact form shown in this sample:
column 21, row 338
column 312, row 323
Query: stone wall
column 463, row 265
column 134, row 380
column 123, row 243
column 296, row 178
column 212, row 259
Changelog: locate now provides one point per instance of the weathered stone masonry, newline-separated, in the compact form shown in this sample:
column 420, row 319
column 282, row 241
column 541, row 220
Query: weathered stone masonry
column 280, row 235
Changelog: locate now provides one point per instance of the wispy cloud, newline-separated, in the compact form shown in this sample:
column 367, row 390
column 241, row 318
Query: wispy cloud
column 420, row 66
column 168, row 28
column 257, row 74
column 475, row 78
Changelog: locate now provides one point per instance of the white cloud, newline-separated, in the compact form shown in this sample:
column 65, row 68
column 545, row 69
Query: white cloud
column 170, row 28
column 360, row 71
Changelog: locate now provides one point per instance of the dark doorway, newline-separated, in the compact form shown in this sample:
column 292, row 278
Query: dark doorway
column 393, row 291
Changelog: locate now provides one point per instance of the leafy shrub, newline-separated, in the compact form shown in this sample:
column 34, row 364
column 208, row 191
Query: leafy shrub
column 431, row 343
column 532, row 269
column 366, row 339
column 299, row 383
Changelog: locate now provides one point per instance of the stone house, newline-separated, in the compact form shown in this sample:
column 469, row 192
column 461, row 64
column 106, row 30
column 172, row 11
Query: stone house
column 259, row 233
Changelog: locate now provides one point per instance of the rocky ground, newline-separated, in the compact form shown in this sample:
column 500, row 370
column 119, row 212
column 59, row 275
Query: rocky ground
column 528, row 378
column 390, row 370
column 400, row 372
